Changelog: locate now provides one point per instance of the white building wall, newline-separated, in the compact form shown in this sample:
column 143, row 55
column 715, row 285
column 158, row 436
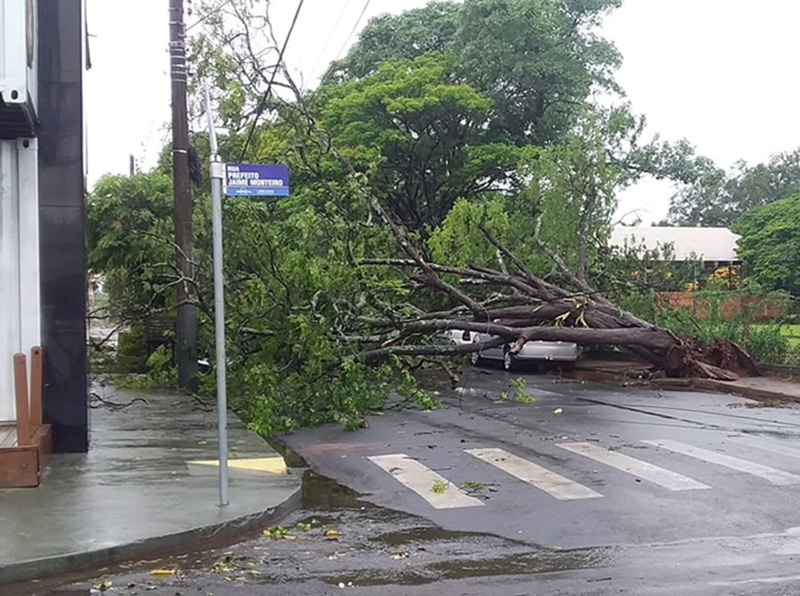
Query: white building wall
column 19, row 261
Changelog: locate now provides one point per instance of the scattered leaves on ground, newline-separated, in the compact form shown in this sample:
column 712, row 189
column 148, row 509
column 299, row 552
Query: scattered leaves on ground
column 471, row 485
column 103, row 586
column 332, row 533
column 278, row 533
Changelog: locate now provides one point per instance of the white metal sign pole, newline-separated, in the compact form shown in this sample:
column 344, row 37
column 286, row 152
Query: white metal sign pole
column 217, row 176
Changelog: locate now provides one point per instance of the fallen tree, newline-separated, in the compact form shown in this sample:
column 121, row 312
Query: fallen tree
column 551, row 313
column 514, row 308
column 523, row 307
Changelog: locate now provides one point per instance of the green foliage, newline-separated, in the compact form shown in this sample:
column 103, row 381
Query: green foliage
column 160, row 372
column 439, row 487
column 408, row 35
column 718, row 198
column 568, row 195
column 419, row 132
column 520, row 384
column 458, row 241
column 160, row 368
column 770, row 244
column 537, row 60
column 131, row 350
column 129, row 222
column 767, row 344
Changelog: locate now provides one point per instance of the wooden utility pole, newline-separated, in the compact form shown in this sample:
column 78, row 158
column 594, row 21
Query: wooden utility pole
column 186, row 325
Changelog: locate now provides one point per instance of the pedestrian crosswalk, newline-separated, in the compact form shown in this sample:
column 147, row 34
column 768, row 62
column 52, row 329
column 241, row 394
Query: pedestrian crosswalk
column 441, row 493
column 635, row 467
column 772, row 475
column 553, row 484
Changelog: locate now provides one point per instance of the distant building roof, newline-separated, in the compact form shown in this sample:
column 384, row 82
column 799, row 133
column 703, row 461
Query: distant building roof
column 708, row 244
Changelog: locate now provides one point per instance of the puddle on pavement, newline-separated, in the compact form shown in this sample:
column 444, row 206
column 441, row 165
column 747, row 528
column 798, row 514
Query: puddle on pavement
column 290, row 456
column 319, row 492
column 425, row 534
column 516, row 564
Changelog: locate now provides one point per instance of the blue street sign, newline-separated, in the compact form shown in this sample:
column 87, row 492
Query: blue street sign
column 256, row 180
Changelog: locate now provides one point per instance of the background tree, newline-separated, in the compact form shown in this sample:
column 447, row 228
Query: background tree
column 129, row 225
column 420, row 134
column 718, row 198
column 404, row 36
column 770, row 244
column 537, row 60
column 565, row 196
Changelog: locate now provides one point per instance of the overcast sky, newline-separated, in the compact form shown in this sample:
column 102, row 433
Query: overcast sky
column 721, row 73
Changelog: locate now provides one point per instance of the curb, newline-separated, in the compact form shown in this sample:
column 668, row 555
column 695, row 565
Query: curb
column 70, row 563
column 694, row 384
column 722, row 387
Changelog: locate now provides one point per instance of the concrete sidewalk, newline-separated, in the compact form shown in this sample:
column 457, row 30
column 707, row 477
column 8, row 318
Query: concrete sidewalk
column 769, row 389
column 149, row 482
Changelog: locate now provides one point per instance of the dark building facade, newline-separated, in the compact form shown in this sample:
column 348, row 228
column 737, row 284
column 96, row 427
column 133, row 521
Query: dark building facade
column 62, row 222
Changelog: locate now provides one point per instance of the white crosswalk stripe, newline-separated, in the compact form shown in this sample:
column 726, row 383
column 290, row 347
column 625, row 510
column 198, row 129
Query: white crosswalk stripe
column 553, row 484
column 422, row 480
column 635, row 467
column 776, row 477
column 772, row 447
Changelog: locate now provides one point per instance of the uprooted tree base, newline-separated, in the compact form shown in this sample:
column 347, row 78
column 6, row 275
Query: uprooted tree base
column 724, row 360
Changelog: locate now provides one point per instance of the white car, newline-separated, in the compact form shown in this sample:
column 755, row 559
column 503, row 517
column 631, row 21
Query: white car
column 532, row 351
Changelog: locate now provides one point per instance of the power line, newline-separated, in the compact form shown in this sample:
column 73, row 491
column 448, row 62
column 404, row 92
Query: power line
column 263, row 102
column 330, row 38
column 353, row 30
column 350, row 35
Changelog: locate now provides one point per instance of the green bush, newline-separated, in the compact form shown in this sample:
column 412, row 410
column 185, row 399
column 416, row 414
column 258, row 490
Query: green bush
column 766, row 344
column 132, row 351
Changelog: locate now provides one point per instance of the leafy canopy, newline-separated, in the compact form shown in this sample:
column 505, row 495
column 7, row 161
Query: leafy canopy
column 718, row 198
column 420, row 133
column 537, row 60
column 770, row 244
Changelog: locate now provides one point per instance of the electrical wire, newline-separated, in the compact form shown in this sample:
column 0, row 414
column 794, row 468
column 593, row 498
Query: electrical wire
column 353, row 30
column 330, row 38
column 263, row 103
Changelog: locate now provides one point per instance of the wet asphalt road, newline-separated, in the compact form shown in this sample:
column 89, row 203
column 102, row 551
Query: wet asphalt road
column 380, row 551
column 671, row 525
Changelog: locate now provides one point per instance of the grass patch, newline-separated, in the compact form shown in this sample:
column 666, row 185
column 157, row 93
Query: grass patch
column 439, row 487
